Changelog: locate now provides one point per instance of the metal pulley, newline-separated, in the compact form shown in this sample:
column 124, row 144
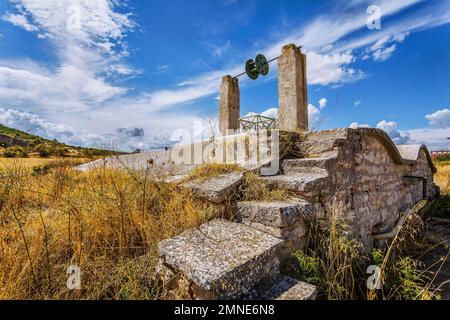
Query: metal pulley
column 253, row 68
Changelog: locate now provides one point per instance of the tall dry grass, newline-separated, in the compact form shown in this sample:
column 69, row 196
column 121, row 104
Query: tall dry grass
column 442, row 176
column 107, row 222
column 336, row 262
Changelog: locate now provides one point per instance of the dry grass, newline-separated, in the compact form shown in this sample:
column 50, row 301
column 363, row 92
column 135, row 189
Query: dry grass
column 442, row 177
column 254, row 189
column 205, row 171
column 27, row 164
column 336, row 262
column 107, row 222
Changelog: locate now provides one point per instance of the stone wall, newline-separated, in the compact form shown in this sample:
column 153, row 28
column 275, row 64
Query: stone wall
column 370, row 180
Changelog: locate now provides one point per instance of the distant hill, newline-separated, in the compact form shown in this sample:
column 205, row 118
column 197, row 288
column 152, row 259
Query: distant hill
column 17, row 143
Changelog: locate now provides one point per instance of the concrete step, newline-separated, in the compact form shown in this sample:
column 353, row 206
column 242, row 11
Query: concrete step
column 287, row 288
column 307, row 165
column 299, row 182
column 282, row 219
column 216, row 189
column 336, row 134
column 222, row 259
column 313, row 148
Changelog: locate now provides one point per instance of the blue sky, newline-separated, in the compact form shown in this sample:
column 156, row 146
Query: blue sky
column 93, row 72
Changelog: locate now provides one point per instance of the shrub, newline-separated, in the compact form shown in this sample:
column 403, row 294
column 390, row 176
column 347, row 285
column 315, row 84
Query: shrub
column 61, row 151
column 442, row 158
column 410, row 281
column 44, row 150
column 9, row 154
column 306, row 268
column 15, row 152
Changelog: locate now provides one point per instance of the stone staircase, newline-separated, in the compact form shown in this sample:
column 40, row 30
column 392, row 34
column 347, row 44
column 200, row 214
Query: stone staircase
column 229, row 260
column 242, row 259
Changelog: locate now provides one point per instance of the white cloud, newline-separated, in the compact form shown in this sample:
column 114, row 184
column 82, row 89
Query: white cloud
column 325, row 69
column 356, row 125
column 439, row 119
column 391, row 129
column 33, row 123
column 271, row 113
column 384, row 53
column 19, row 21
column 313, row 116
column 435, row 139
column 323, row 103
column 88, row 37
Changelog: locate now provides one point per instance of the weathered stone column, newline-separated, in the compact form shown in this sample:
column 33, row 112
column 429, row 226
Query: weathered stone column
column 292, row 89
column 229, row 105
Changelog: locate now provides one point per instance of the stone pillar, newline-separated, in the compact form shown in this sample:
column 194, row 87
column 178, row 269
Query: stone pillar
column 292, row 89
column 229, row 105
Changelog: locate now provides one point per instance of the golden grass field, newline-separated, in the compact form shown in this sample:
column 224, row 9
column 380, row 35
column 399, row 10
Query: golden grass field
column 27, row 164
column 107, row 222
column 442, row 177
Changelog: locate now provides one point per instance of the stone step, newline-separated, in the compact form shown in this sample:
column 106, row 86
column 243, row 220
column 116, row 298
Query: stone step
column 216, row 189
column 335, row 134
column 313, row 148
column 222, row 259
column 282, row 219
column 299, row 182
column 307, row 165
column 287, row 288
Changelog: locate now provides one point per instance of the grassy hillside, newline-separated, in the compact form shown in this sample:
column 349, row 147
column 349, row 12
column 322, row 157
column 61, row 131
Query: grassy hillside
column 18, row 133
column 24, row 145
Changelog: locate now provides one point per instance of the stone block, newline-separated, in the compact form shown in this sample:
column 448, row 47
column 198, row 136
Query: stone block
column 216, row 189
column 287, row 288
column 278, row 214
column 222, row 259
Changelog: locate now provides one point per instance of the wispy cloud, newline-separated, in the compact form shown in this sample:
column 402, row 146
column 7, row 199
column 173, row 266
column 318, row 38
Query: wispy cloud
column 88, row 38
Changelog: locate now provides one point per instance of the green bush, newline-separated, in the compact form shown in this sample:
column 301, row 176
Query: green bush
column 442, row 158
column 41, row 170
column 306, row 267
column 44, row 150
column 9, row 154
column 15, row 152
column 410, row 281
column 61, row 151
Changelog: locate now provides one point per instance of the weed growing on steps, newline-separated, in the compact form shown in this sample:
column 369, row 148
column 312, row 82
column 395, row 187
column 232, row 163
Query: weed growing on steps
column 333, row 259
column 255, row 189
column 205, row 171
column 336, row 263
